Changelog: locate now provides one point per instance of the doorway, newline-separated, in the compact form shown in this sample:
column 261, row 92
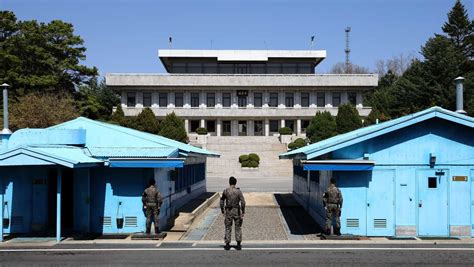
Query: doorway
column 242, row 126
column 226, row 128
column 432, row 202
column 67, row 200
column 258, row 128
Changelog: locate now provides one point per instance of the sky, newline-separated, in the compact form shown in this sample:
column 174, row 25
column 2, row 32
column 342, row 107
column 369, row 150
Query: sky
column 125, row 35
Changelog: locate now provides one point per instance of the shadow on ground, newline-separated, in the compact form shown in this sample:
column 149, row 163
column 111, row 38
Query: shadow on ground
column 298, row 220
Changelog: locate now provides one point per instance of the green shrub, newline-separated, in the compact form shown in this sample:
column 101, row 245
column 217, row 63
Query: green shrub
column 285, row 131
column 173, row 127
column 201, row 131
column 300, row 142
column 322, row 126
column 253, row 164
column 243, row 158
column 245, row 163
column 254, row 157
column 347, row 119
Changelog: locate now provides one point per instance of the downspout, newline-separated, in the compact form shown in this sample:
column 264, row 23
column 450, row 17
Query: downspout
column 5, row 133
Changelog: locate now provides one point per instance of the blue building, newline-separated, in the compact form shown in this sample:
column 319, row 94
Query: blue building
column 412, row 176
column 82, row 175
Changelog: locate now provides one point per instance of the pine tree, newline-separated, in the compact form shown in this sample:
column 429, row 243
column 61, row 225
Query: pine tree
column 460, row 29
column 146, row 122
column 347, row 119
column 322, row 126
column 118, row 116
column 173, row 127
column 375, row 115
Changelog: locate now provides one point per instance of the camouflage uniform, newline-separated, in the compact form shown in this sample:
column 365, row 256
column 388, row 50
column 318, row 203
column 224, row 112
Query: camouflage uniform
column 332, row 200
column 232, row 212
column 151, row 199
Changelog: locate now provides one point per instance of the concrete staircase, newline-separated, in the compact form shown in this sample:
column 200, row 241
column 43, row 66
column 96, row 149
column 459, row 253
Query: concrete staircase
column 231, row 147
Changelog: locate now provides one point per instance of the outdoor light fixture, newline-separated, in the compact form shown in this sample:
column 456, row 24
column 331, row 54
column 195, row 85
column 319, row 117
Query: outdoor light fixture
column 432, row 160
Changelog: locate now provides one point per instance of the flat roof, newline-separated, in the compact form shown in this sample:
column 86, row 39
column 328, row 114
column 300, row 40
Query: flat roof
column 243, row 55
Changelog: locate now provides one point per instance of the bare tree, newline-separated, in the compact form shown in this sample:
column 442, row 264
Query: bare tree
column 397, row 64
column 341, row 68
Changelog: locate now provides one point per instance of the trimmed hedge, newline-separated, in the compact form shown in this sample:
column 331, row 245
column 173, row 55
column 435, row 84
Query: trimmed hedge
column 300, row 142
column 251, row 161
column 285, row 131
column 201, row 131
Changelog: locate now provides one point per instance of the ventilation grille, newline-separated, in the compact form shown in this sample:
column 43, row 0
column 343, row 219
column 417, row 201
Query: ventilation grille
column 106, row 221
column 353, row 223
column 17, row 221
column 380, row 223
column 130, row 221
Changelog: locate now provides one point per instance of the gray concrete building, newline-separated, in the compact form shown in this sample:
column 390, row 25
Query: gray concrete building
column 241, row 92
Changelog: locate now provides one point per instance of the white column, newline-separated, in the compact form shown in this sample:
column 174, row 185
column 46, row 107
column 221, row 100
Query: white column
column 282, row 123
column 298, row 127
column 267, row 127
column 186, row 125
column 250, row 128
column 219, row 127
column 203, row 123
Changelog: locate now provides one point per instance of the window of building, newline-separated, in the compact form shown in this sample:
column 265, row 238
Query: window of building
column 163, row 99
column 258, row 128
column 194, row 100
column 178, row 67
column 257, row 100
column 274, row 125
column 305, row 100
column 257, row 68
column 241, row 69
column 242, row 101
column 352, row 98
column 432, row 182
column 226, row 99
column 226, row 68
column 194, row 68
column 289, row 68
column 336, row 99
column 273, row 100
column 226, row 128
column 147, row 99
column 304, row 68
column 194, row 125
column 178, row 99
column 290, row 124
column 273, row 68
column 211, row 126
column 289, row 100
column 211, row 99
column 304, row 125
column 131, row 100
column 314, row 176
column 321, row 99
column 209, row 68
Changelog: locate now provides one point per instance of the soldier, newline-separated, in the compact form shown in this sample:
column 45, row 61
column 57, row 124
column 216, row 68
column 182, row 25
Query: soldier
column 233, row 212
column 151, row 199
column 332, row 200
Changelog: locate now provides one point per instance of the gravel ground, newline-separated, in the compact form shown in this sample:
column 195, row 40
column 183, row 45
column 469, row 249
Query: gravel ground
column 260, row 223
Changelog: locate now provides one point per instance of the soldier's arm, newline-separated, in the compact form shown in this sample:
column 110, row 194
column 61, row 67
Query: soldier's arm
column 341, row 199
column 325, row 196
column 144, row 198
column 242, row 201
column 159, row 199
column 222, row 201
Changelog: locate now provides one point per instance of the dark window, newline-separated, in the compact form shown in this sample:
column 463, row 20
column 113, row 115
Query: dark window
column 258, row 128
column 242, row 101
column 314, row 176
column 274, row 125
column 352, row 98
column 210, row 68
column 189, row 175
column 194, row 68
column 147, row 99
column 211, row 99
column 289, row 100
column 194, row 125
column 273, row 100
column 257, row 99
column 304, row 68
column 336, row 99
column 273, row 68
column 242, row 126
column 178, row 99
column 194, row 100
column 290, row 124
column 304, row 125
column 226, row 99
column 226, row 128
column 257, row 68
column 432, row 182
column 289, row 68
column 211, row 126
column 131, row 101
column 178, row 68
column 321, row 99
column 163, row 99
column 226, row 68
column 241, row 68
column 305, row 100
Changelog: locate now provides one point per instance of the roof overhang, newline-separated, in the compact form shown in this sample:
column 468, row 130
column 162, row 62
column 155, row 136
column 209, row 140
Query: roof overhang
column 146, row 163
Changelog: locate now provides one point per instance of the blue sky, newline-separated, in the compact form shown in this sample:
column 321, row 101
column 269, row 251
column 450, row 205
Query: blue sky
column 124, row 35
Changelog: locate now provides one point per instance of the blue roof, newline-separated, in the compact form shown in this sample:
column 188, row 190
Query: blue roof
column 132, row 152
column 362, row 134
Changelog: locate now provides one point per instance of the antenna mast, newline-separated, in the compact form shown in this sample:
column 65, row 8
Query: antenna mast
column 347, row 50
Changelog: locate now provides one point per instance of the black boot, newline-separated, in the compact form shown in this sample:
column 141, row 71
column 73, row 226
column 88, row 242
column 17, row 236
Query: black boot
column 157, row 230
column 227, row 246
column 239, row 246
column 337, row 231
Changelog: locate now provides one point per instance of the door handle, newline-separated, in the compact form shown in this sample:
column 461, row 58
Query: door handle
column 420, row 204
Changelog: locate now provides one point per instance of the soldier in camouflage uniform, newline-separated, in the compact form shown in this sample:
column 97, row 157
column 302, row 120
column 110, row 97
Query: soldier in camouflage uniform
column 151, row 199
column 332, row 200
column 233, row 212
